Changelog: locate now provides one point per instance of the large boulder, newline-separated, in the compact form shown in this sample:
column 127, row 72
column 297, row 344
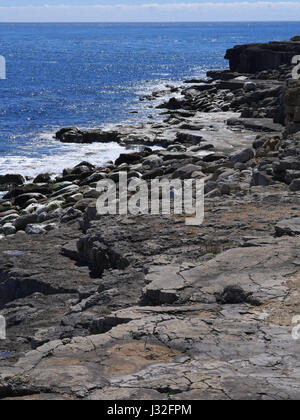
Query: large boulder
column 128, row 158
column 9, row 180
column 173, row 103
column 42, row 179
column 28, row 189
column 22, row 199
column 74, row 135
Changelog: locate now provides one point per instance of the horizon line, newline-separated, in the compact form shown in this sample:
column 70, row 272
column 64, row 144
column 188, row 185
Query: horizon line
column 156, row 21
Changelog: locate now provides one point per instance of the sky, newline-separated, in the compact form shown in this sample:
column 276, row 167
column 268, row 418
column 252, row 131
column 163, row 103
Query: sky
column 148, row 10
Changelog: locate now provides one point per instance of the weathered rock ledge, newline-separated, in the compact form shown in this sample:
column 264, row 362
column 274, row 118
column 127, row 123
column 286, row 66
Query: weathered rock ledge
column 252, row 58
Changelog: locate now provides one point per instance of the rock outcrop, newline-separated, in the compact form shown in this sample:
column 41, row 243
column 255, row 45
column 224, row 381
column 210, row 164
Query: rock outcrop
column 252, row 58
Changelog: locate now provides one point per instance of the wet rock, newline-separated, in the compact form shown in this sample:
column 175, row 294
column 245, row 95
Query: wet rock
column 129, row 158
column 22, row 199
column 9, row 180
column 8, row 229
column 173, row 103
column 95, row 177
column 74, row 135
column 153, row 161
column 28, row 189
column 9, row 218
column 68, row 190
column 213, row 157
column 72, row 214
column 35, row 230
column 42, row 179
column 23, row 221
column 258, row 143
column 244, row 156
column 60, row 185
column 185, row 172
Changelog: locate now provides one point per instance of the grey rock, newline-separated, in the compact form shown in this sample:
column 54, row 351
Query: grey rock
column 249, row 86
column 260, row 179
column 42, row 178
column 23, row 221
column 8, row 229
column 11, row 179
column 244, row 156
column 71, row 215
column 9, row 218
column 290, row 227
column 35, row 229
column 186, row 171
column 295, row 185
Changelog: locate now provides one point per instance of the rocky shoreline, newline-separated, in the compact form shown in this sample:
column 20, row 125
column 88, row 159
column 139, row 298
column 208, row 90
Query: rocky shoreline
column 145, row 307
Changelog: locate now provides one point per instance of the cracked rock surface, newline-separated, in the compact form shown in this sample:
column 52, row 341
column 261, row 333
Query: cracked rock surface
column 155, row 327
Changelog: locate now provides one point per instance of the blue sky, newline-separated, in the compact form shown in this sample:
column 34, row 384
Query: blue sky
column 147, row 10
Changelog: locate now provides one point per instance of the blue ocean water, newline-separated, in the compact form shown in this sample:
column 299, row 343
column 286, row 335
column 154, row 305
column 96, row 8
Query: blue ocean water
column 93, row 75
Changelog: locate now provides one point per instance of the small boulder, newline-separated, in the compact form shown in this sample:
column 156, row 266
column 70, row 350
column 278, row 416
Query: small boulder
column 22, row 199
column 72, row 214
column 260, row 179
column 295, row 185
column 11, row 179
column 9, row 218
column 128, row 158
column 26, row 219
column 249, row 86
column 42, row 179
column 35, row 230
column 186, row 171
column 8, row 229
column 243, row 156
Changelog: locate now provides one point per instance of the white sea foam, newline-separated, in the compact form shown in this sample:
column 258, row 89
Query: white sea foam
column 62, row 156
column 45, row 154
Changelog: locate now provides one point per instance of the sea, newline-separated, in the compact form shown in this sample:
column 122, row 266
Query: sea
column 93, row 75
